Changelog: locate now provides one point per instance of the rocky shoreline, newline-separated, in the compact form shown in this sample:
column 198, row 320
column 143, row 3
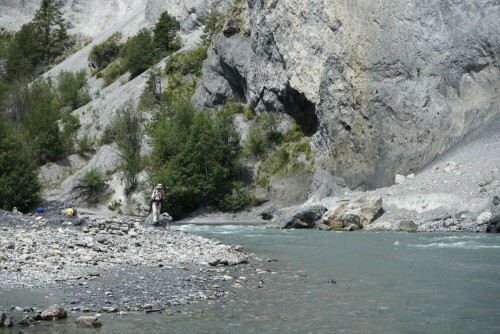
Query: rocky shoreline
column 116, row 265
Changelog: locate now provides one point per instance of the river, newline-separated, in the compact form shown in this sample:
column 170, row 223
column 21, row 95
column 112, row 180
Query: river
column 343, row 282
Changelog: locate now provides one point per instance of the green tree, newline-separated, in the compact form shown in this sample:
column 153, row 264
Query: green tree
column 164, row 34
column 40, row 124
column 19, row 185
column 128, row 137
column 51, row 30
column 170, row 130
column 73, row 89
column 204, row 167
column 24, row 53
column 139, row 52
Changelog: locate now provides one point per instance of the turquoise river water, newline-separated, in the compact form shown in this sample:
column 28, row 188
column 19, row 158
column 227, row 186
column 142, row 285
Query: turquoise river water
column 385, row 283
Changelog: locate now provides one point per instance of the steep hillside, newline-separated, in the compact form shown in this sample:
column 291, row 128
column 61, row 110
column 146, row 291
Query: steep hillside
column 363, row 90
column 99, row 21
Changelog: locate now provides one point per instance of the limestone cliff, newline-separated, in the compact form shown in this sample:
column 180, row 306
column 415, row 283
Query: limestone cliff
column 383, row 87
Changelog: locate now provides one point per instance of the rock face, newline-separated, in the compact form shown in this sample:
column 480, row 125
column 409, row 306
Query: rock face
column 383, row 87
column 352, row 215
column 304, row 216
column 92, row 17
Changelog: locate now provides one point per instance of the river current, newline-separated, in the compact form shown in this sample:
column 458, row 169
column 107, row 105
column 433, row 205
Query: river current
column 342, row 282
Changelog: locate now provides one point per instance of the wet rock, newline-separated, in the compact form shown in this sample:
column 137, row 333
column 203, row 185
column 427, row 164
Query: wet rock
column 54, row 312
column 88, row 321
column 27, row 321
column 7, row 323
column 332, row 281
column 351, row 227
column 110, row 309
column 360, row 212
column 407, row 226
column 496, row 200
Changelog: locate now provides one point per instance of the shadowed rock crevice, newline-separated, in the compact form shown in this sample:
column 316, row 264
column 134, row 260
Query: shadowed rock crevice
column 301, row 109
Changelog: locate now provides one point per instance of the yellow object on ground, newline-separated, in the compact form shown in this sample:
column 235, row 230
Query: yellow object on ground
column 69, row 211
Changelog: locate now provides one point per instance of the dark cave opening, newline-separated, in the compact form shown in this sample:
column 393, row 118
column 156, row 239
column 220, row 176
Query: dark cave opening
column 301, row 109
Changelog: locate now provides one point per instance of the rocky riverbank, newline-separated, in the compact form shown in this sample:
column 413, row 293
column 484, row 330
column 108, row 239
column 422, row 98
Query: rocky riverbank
column 116, row 264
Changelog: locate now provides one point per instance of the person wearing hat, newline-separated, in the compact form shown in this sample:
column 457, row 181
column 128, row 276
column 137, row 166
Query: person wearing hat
column 157, row 199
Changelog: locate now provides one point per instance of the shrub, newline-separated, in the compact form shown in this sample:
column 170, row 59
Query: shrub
column 71, row 124
column 268, row 122
column 294, row 134
column 73, row 89
column 213, row 22
column 238, row 199
column 91, row 187
column 84, row 144
column 249, row 114
column 189, row 62
column 255, row 143
column 113, row 71
column 105, row 53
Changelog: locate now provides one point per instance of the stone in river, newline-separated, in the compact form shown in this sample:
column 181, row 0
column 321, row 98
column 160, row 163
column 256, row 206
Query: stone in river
column 88, row 321
column 7, row 323
column 54, row 312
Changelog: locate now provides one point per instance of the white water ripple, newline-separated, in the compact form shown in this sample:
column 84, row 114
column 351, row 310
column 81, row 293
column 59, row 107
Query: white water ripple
column 460, row 244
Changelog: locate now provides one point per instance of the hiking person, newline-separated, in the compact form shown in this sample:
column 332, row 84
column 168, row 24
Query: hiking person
column 71, row 211
column 157, row 198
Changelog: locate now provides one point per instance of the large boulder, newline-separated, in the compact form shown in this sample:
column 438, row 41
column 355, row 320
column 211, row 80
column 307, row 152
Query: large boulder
column 88, row 321
column 493, row 224
column 303, row 216
column 360, row 212
column 407, row 226
column 54, row 312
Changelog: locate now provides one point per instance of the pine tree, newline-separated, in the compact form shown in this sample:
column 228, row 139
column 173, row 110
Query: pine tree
column 165, row 32
column 51, row 30
column 24, row 53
